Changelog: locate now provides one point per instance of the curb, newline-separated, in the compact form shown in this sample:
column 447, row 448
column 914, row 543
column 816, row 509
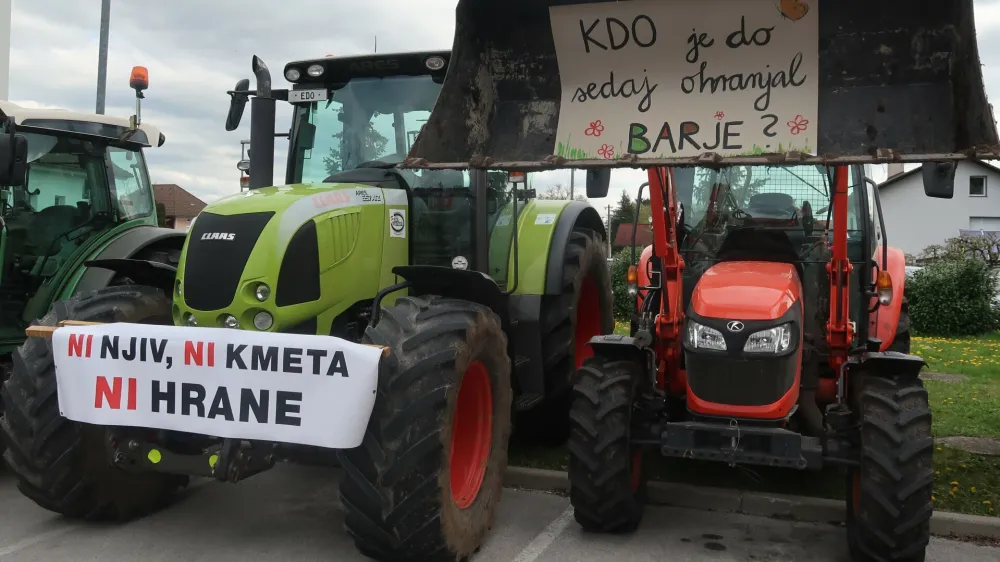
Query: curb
column 780, row 506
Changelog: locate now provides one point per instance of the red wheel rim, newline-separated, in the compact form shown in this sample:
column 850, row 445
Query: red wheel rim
column 636, row 478
column 588, row 319
column 471, row 435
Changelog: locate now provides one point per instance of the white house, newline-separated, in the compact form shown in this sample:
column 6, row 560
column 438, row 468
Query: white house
column 914, row 221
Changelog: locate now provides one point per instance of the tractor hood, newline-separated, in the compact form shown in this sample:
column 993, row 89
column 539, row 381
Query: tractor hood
column 273, row 249
column 746, row 290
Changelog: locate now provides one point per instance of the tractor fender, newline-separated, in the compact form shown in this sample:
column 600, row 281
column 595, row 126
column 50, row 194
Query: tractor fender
column 118, row 256
column 886, row 318
column 890, row 364
column 575, row 214
column 473, row 286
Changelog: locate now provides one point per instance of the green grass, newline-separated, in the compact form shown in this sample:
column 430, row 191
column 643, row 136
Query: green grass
column 963, row 482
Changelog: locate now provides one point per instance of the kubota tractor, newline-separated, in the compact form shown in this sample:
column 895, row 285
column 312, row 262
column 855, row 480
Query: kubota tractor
column 770, row 322
column 482, row 297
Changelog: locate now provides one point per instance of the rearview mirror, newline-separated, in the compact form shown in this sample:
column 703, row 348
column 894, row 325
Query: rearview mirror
column 13, row 159
column 939, row 179
column 598, row 182
column 237, row 104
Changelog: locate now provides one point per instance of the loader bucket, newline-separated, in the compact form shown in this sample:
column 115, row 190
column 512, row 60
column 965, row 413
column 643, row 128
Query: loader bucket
column 536, row 83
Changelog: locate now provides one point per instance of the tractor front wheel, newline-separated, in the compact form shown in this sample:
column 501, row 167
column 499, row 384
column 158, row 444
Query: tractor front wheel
column 425, row 482
column 889, row 503
column 60, row 464
column 606, row 474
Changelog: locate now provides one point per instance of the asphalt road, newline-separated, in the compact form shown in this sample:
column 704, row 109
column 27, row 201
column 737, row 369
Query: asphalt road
column 292, row 513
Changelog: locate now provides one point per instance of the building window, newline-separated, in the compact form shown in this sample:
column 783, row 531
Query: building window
column 60, row 200
column 977, row 186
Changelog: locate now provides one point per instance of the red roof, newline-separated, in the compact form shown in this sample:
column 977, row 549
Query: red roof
column 177, row 201
column 643, row 235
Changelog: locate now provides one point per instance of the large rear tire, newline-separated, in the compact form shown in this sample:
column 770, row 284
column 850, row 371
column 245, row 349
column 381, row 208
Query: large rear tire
column 582, row 310
column 606, row 472
column 424, row 484
column 889, row 503
column 60, row 464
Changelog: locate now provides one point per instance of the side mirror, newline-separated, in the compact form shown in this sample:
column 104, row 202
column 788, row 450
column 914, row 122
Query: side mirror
column 13, row 159
column 237, row 104
column 598, row 182
column 939, row 179
column 307, row 136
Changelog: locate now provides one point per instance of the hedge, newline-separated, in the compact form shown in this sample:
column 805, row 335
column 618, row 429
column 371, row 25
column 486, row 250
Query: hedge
column 619, row 269
column 953, row 298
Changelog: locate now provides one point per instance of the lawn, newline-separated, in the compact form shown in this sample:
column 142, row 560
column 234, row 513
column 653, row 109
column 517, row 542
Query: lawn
column 963, row 482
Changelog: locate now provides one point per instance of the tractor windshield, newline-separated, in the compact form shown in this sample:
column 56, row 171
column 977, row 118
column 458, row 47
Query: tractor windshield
column 367, row 121
column 736, row 207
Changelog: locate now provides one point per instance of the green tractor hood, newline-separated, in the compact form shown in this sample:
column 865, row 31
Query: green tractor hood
column 279, row 258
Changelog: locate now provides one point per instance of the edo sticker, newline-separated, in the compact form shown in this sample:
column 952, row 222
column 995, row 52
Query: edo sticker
column 287, row 388
column 674, row 79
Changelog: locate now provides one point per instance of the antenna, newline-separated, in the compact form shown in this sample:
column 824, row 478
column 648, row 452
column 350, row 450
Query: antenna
column 376, row 43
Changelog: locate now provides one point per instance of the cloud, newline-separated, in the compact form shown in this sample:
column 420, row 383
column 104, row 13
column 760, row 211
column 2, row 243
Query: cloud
column 196, row 50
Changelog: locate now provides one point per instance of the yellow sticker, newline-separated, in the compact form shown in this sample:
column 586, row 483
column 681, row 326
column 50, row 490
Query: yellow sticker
column 212, row 460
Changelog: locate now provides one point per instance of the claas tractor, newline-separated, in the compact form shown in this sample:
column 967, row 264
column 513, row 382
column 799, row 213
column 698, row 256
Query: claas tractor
column 76, row 199
column 481, row 298
column 770, row 324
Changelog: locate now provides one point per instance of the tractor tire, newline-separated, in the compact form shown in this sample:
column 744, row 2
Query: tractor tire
column 567, row 321
column 60, row 464
column 901, row 342
column 606, row 473
column 425, row 482
column 889, row 503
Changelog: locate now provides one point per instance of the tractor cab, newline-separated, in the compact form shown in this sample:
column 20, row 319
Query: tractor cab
column 85, row 177
column 367, row 114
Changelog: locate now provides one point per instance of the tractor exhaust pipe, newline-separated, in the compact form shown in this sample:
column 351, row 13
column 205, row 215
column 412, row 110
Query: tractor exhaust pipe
column 262, row 115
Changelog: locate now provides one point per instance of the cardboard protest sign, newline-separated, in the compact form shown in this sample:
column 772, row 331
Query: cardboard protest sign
column 677, row 79
column 288, row 388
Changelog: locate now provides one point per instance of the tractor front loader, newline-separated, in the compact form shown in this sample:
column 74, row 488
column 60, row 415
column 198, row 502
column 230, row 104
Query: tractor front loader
column 770, row 324
column 481, row 299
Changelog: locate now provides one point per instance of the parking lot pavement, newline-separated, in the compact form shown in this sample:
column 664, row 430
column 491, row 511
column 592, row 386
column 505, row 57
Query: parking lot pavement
column 292, row 513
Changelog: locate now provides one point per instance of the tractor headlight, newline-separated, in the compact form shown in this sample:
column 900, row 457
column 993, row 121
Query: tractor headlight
column 703, row 337
column 772, row 340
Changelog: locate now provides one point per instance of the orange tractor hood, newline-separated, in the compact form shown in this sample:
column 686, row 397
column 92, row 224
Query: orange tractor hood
column 747, row 290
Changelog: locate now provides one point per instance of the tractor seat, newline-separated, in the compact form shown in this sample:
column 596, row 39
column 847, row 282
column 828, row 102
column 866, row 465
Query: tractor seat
column 48, row 224
column 771, row 203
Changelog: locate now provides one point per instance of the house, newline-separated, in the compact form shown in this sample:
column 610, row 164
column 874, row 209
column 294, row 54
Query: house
column 914, row 221
column 179, row 206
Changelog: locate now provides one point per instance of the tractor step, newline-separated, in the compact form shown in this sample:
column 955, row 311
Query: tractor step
column 527, row 401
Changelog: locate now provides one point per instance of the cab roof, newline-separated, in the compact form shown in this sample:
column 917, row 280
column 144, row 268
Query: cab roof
column 78, row 122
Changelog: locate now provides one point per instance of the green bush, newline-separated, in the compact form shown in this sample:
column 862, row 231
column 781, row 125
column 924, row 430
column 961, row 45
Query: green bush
column 953, row 298
column 619, row 269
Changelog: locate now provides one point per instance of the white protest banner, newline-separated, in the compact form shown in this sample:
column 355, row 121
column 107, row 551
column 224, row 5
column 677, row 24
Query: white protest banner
column 681, row 78
column 288, row 388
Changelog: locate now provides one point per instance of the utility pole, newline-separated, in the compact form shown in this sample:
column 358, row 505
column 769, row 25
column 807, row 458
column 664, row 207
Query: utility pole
column 5, row 28
column 102, row 55
column 572, row 183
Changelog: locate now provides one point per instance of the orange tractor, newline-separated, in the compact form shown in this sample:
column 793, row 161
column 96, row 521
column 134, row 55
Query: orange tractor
column 770, row 324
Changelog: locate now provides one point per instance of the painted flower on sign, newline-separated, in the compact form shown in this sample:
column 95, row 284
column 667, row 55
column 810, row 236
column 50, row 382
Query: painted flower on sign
column 595, row 129
column 607, row 151
column 798, row 125
column 719, row 115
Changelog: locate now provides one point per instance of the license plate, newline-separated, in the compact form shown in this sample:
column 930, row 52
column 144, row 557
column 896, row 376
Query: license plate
column 306, row 95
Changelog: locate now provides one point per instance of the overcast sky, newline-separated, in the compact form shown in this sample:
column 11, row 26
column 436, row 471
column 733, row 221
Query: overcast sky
column 196, row 50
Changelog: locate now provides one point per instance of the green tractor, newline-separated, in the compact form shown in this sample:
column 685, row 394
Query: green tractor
column 75, row 203
column 484, row 296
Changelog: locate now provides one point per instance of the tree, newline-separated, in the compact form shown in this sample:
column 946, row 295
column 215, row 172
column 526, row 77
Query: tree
column 161, row 214
column 623, row 213
column 559, row 192
column 372, row 142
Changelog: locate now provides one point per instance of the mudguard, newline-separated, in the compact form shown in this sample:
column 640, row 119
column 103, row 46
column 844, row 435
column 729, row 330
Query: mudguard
column 125, row 247
column 884, row 321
